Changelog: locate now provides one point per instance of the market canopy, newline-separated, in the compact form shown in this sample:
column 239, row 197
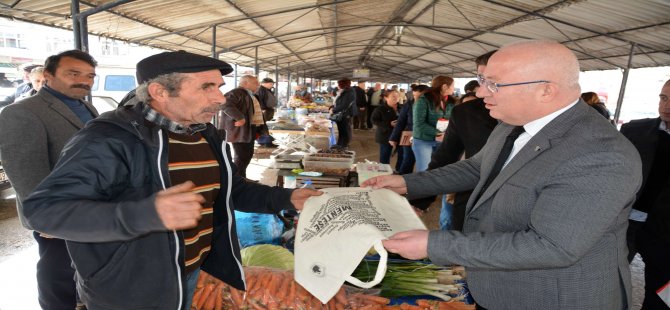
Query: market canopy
column 397, row 40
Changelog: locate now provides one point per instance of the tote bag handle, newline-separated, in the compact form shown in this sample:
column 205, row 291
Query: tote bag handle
column 381, row 269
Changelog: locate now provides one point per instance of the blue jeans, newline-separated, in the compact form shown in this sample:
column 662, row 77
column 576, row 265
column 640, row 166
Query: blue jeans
column 446, row 214
column 422, row 151
column 191, row 281
column 407, row 165
column 385, row 150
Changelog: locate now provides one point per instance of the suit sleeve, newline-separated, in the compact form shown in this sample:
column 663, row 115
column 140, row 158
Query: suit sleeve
column 25, row 154
column 569, row 216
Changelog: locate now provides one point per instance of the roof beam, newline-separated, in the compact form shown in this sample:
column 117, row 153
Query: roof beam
column 237, row 19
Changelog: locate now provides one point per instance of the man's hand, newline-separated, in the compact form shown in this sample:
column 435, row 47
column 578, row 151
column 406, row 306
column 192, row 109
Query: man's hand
column 178, row 207
column 393, row 143
column 240, row 123
column 412, row 244
column 393, row 123
column 395, row 183
column 299, row 196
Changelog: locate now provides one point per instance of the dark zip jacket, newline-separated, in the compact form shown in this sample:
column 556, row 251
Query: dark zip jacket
column 100, row 199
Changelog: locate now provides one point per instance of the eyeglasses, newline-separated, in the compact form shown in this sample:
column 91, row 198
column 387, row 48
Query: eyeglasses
column 493, row 87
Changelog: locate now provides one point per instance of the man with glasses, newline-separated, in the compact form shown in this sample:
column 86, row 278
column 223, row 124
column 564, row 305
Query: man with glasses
column 545, row 225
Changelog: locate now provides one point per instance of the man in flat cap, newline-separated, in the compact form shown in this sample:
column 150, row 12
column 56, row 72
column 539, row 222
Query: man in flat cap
column 267, row 98
column 144, row 195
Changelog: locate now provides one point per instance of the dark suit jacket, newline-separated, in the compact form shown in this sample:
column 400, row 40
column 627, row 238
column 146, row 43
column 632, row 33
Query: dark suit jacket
column 643, row 134
column 540, row 237
column 34, row 131
column 469, row 127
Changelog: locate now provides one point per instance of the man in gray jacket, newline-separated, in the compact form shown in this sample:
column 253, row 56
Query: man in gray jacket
column 545, row 227
column 34, row 131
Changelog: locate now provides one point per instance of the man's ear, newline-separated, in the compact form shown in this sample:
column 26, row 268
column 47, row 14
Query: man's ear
column 548, row 92
column 157, row 92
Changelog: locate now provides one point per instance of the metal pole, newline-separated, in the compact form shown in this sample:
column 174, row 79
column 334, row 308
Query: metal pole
column 276, row 90
column 256, row 63
column 235, row 77
column 624, row 81
column 74, row 10
column 83, row 30
column 215, row 55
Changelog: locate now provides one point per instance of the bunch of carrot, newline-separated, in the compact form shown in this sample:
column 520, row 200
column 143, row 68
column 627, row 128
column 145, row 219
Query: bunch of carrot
column 369, row 302
column 276, row 289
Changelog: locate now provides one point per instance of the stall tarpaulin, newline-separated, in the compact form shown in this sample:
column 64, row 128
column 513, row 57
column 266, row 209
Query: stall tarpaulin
column 337, row 229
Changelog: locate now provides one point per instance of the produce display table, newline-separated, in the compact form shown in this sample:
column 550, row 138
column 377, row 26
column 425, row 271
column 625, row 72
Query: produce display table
column 323, row 181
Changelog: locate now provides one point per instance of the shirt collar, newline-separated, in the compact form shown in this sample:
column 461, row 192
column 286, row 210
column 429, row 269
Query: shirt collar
column 535, row 126
column 162, row 121
column 664, row 127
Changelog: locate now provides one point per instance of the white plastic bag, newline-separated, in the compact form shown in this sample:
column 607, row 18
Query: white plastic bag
column 337, row 229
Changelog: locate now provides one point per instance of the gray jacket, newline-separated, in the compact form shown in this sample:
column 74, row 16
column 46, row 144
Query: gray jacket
column 34, row 131
column 550, row 231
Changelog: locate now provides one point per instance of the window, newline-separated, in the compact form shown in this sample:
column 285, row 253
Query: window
column 119, row 83
column 14, row 40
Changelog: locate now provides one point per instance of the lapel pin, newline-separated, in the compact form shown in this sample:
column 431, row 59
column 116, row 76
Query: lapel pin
column 537, row 148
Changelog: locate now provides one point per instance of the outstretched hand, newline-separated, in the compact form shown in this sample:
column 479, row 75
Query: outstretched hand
column 178, row 207
column 411, row 244
column 299, row 196
column 395, row 183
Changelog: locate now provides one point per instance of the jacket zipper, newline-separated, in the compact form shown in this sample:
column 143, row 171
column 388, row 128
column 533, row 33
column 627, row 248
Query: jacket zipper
column 174, row 232
column 229, row 176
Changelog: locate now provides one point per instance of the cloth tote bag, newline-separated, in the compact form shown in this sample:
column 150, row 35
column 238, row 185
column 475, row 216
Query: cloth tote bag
column 338, row 228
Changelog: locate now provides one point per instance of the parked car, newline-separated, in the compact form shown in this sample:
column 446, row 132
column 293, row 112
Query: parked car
column 113, row 82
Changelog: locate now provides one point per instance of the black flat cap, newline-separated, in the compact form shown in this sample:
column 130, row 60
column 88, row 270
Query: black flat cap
column 267, row 80
column 177, row 62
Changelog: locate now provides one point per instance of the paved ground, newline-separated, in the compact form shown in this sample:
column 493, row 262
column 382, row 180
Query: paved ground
column 18, row 252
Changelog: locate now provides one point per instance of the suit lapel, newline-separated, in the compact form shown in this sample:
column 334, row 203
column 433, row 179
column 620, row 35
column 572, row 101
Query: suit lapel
column 538, row 144
column 61, row 108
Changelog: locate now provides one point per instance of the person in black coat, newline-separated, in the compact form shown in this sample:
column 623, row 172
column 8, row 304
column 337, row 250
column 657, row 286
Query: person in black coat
column 649, row 221
column 360, row 120
column 385, row 117
column 346, row 100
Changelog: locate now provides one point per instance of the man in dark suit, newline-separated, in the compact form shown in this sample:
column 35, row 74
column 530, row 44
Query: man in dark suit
column 34, row 131
column 536, row 235
column 649, row 221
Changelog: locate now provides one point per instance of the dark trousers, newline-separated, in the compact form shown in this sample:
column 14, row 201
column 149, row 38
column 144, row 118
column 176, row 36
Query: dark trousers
column 385, row 150
column 631, row 234
column 370, row 109
column 361, row 119
column 407, row 160
column 343, row 132
column 656, row 255
column 55, row 276
column 244, row 151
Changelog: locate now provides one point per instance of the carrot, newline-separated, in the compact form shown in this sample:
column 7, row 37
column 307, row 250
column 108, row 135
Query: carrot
column 202, row 276
column 207, row 290
column 219, row 298
column 302, row 292
column 374, row 299
column 213, row 297
column 339, row 306
column 406, row 306
column 331, row 303
column 370, row 307
column 341, row 296
column 290, row 299
column 236, row 297
column 196, row 296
